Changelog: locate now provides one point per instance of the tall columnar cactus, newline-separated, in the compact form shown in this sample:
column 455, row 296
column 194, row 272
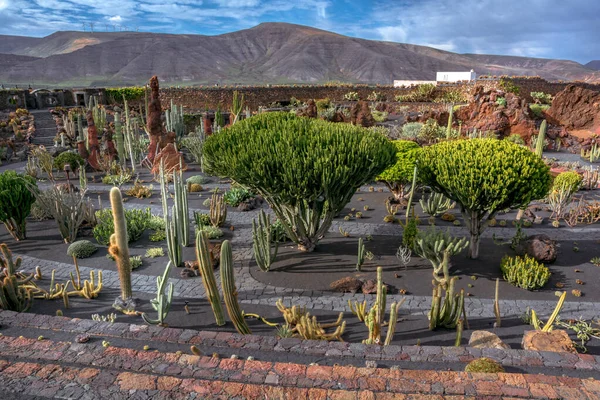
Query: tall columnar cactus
column 229, row 290
column 16, row 198
column 261, row 242
column 446, row 313
column 181, row 213
column 205, row 264
column 541, row 139
column 119, row 249
column 162, row 302
column 361, row 254
column 173, row 242
column 497, row 304
column 218, row 210
column 120, row 140
column 174, row 120
column 449, row 127
column 81, row 133
column 237, row 106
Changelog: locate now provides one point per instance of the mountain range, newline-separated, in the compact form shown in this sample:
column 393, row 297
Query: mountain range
column 267, row 53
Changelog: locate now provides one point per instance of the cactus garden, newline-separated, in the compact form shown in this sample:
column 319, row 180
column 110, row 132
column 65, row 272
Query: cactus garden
column 294, row 224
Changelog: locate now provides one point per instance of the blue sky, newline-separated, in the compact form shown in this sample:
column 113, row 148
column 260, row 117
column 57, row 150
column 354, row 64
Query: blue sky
column 566, row 29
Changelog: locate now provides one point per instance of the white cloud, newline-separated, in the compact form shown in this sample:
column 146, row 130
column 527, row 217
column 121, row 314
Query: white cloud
column 392, row 33
column 116, row 18
column 3, row 4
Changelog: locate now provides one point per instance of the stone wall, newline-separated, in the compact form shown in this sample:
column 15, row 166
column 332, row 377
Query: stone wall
column 536, row 84
column 11, row 99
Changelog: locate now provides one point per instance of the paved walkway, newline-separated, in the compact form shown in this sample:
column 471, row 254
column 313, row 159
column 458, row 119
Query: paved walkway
column 46, row 363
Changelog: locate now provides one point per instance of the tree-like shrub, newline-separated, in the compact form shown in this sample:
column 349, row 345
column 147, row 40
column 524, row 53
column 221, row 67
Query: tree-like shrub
column 306, row 169
column 81, row 249
column 398, row 177
column 73, row 159
column 137, row 222
column 484, row 176
column 524, row 272
column 16, row 199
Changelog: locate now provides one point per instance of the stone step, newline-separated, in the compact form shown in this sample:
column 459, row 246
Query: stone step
column 40, row 356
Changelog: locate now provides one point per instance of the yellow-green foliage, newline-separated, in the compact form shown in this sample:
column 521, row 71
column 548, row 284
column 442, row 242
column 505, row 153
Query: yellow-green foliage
column 484, row 364
column 129, row 93
column 567, row 181
column 400, row 174
column 524, row 272
column 155, row 252
column 484, row 176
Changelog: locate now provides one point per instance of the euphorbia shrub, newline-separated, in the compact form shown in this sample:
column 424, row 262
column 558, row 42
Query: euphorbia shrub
column 398, row 177
column 15, row 202
column 484, row 176
column 306, row 169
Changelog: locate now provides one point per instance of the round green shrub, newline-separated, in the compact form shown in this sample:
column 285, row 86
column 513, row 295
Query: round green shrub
column 16, row 199
column 569, row 181
column 211, row 231
column 410, row 131
column 196, row 179
column 306, row 169
column 484, row 176
column 82, row 249
column 524, row 272
column 73, row 159
column 398, row 177
column 484, row 364
column 237, row 195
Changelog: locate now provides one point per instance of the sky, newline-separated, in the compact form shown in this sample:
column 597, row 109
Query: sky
column 565, row 29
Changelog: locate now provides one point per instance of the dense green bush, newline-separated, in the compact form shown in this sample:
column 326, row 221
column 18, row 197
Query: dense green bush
column 524, row 272
column 81, row 249
column 398, row 177
column 569, row 182
column 306, row 169
column 73, row 159
column 16, row 198
column 137, row 222
column 484, row 176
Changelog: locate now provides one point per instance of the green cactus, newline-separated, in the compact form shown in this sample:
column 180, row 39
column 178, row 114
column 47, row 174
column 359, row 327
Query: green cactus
column 13, row 296
column 161, row 303
column 361, row 254
column 497, row 304
column 181, row 213
column 119, row 249
column 218, row 210
column 16, row 198
column 449, row 127
column 435, row 204
column 375, row 318
column 539, row 143
column 120, row 140
column 174, row 120
column 261, row 242
column 205, row 264
column 446, row 314
column 459, row 332
column 229, row 290
column 237, row 105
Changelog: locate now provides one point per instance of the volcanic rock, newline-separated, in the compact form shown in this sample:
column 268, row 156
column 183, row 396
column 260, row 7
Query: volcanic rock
column 485, row 339
column 576, row 108
column 556, row 340
column 542, row 248
column 348, row 284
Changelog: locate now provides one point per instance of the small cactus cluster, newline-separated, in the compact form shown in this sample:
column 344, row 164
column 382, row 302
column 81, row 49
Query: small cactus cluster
column 264, row 252
column 301, row 324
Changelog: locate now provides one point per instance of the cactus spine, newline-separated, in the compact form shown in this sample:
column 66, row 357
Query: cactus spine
column 161, row 303
column 208, row 277
column 229, row 290
column 361, row 254
column 539, row 143
column 218, row 210
column 261, row 242
column 119, row 249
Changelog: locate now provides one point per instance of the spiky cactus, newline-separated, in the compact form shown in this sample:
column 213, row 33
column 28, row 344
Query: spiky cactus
column 448, row 313
column 119, row 249
column 539, row 143
column 162, row 302
column 237, row 106
column 261, row 242
column 218, row 210
column 205, row 263
column 13, row 296
column 361, row 254
column 174, row 120
column 181, row 213
column 449, row 127
column 497, row 304
column 229, row 290
column 173, row 243
column 120, row 140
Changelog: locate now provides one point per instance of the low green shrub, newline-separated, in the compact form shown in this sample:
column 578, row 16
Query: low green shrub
column 196, row 179
column 156, row 223
column 155, row 252
column 351, row 96
column 236, row 195
column 431, row 131
column 516, row 139
column 135, row 262
column 541, row 97
column 569, row 181
column 411, row 130
column 484, row 364
column 323, row 104
column 501, row 101
column 524, row 272
column 158, row 236
column 73, row 159
column 509, row 87
column 82, row 249
column 211, row 231
column 137, row 223
column 538, row 109
column 379, row 116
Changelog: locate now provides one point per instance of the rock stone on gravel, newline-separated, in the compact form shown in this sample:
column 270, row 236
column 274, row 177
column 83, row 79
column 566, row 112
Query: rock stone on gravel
column 348, row 284
column 542, row 248
column 556, row 340
column 485, row 339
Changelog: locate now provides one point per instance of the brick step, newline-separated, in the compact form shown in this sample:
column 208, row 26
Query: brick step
column 42, row 367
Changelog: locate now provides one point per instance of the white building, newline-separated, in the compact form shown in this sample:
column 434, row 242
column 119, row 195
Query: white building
column 456, row 76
